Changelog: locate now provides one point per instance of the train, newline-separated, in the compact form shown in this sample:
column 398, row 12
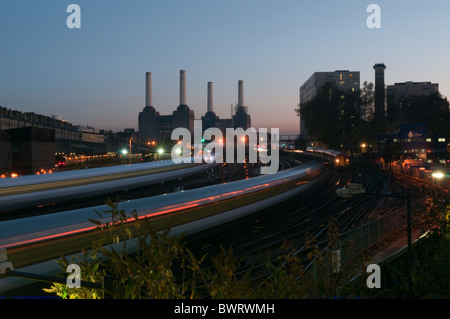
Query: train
column 339, row 159
column 258, row 192
column 60, row 161
column 78, row 219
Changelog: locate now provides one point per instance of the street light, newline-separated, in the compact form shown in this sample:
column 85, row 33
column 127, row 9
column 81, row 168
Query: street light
column 130, row 149
column 130, row 144
column 363, row 147
column 437, row 175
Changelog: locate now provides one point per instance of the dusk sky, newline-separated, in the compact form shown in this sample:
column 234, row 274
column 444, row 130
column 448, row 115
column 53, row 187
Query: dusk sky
column 95, row 75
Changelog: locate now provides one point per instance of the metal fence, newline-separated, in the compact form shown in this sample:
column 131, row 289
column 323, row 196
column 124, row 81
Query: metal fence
column 377, row 229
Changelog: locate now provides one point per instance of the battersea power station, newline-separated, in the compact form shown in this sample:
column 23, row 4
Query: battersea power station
column 156, row 127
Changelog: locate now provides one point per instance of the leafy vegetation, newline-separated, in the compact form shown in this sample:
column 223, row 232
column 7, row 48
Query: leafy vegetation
column 340, row 118
column 431, row 256
column 333, row 116
column 163, row 267
column 433, row 110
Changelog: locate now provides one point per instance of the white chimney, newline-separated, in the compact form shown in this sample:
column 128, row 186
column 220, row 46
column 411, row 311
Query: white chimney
column 210, row 97
column 241, row 93
column 183, row 87
column 148, row 89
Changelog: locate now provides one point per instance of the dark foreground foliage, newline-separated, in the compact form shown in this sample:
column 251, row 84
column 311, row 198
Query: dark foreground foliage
column 149, row 264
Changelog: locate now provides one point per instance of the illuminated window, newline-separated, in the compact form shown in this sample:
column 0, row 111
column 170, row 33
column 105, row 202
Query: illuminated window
column 441, row 139
column 428, row 139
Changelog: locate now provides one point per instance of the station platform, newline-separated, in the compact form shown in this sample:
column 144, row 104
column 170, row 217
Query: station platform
column 395, row 246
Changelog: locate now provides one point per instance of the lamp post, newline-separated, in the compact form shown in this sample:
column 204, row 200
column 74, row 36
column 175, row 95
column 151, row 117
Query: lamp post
column 129, row 154
column 437, row 175
column 161, row 152
column 123, row 152
column 363, row 147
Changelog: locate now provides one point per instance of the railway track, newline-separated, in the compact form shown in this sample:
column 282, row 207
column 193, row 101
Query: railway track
column 254, row 236
column 422, row 194
column 267, row 229
column 244, row 173
column 309, row 212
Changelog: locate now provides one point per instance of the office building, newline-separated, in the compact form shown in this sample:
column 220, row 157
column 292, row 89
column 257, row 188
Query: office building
column 343, row 79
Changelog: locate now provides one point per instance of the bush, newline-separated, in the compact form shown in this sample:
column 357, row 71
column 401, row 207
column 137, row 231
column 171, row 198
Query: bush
column 163, row 267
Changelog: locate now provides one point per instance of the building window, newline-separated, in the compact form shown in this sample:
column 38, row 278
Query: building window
column 428, row 139
column 441, row 139
column 340, row 77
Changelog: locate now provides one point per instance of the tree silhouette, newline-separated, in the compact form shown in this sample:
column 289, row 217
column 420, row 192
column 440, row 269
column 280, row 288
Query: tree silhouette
column 333, row 116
